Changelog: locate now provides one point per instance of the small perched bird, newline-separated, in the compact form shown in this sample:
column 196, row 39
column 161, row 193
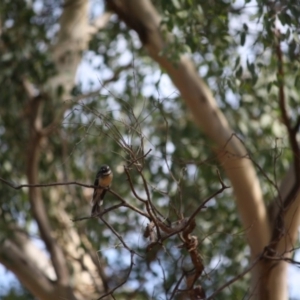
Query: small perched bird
column 103, row 179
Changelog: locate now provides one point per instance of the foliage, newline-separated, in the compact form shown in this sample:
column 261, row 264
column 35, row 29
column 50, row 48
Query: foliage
column 239, row 62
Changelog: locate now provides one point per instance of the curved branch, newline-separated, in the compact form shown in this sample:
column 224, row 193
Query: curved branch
column 286, row 118
column 15, row 257
column 141, row 16
column 287, row 201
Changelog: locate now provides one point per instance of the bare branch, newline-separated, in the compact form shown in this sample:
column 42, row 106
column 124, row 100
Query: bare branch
column 142, row 16
column 100, row 23
column 177, row 286
column 118, row 236
column 139, row 158
column 15, row 259
column 285, row 115
column 124, row 281
column 202, row 205
column 234, row 279
column 17, row 187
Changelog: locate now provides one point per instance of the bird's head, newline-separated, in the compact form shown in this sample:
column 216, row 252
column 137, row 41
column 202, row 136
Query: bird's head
column 104, row 171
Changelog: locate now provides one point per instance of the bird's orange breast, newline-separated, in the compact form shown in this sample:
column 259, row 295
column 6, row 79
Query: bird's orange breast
column 106, row 180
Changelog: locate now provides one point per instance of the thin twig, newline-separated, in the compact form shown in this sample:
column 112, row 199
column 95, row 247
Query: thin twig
column 177, row 286
column 132, row 187
column 119, row 237
column 17, row 187
column 123, row 282
column 140, row 157
column 202, row 205
column 234, row 279
column 124, row 203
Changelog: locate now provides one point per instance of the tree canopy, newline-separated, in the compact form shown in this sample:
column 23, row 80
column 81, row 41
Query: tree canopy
column 194, row 106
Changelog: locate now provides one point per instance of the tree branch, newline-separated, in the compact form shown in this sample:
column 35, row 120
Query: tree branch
column 282, row 223
column 141, row 16
column 287, row 122
column 15, row 258
column 100, row 23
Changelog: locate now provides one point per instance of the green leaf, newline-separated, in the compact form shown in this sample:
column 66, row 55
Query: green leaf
column 237, row 62
column 297, row 81
column 243, row 38
column 182, row 14
column 239, row 72
column 176, row 4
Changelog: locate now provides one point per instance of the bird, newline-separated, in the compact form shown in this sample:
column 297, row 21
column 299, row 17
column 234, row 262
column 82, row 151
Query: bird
column 103, row 179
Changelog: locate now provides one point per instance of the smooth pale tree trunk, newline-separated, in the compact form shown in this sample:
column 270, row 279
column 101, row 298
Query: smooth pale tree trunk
column 268, row 281
column 54, row 278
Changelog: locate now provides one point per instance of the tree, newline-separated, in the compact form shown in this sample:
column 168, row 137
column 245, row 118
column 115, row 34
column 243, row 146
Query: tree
column 209, row 176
